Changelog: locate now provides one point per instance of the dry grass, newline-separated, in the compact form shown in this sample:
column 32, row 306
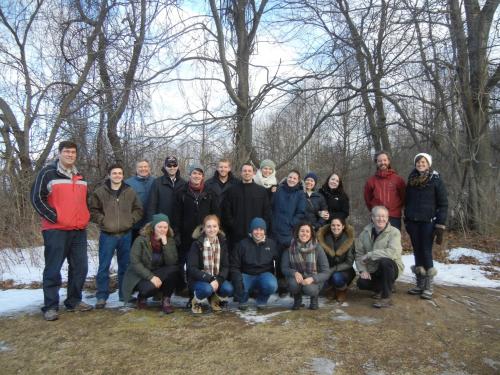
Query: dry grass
column 459, row 333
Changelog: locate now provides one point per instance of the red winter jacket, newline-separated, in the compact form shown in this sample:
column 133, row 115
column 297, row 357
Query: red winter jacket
column 61, row 201
column 386, row 188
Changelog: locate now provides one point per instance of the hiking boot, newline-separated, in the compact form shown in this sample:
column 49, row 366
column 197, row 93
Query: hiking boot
column 50, row 315
column 196, row 306
column 383, row 302
column 419, row 280
column 314, row 304
column 341, row 295
column 166, row 306
column 215, row 303
column 142, row 302
column 428, row 281
column 79, row 307
column 297, row 301
column 100, row 304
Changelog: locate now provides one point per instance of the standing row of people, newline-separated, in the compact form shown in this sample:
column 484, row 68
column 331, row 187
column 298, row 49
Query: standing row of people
column 121, row 208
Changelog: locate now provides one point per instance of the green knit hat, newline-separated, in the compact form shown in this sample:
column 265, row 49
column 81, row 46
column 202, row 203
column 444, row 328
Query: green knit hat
column 159, row 218
column 268, row 163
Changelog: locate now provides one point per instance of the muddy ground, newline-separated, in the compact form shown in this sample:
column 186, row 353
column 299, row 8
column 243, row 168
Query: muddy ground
column 457, row 333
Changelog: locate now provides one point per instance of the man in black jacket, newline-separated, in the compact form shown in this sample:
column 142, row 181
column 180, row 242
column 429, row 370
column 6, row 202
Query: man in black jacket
column 222, row 180
column 253, row 265
column 244, row 201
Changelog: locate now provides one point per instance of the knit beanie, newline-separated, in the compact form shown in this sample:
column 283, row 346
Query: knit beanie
column 257, row 222
column 196, row 167
column 426, row 156
column 312, row 175
column 268, row 163
column 159, row 218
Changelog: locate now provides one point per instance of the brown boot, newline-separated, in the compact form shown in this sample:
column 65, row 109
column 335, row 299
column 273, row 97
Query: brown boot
column 166, row 306
column 341, row 295
column 142, row 302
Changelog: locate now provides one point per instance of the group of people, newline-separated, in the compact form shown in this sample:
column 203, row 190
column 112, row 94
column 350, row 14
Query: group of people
column 227, row 237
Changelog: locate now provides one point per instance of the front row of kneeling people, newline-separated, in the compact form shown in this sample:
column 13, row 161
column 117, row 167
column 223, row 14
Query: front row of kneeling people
column 311, row 262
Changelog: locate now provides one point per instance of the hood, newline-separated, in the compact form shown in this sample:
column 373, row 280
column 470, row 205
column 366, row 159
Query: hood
column 325, row 230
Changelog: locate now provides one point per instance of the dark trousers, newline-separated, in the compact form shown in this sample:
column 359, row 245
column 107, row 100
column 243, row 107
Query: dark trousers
column 421, row 240
column 382, row 279
column 395, row 222
column 60, row 245
column 311, row 290
column 169, row 276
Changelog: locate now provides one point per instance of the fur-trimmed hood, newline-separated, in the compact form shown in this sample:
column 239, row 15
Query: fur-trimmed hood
column 198, row 232
column 147, row 231
column 344, row 247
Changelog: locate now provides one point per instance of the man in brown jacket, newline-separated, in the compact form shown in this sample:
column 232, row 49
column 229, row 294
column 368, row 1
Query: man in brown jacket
column 115, row 207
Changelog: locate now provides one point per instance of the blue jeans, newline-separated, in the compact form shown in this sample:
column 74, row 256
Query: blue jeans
column 204, row 290
column 265, row 284
column 341, row 279
column 60, row 245
column 107, row 245
column 421, row 240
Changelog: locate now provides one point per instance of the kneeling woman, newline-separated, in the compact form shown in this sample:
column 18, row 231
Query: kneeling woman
column 153, row 264
column 305, row 266
column 208, row 266
column 337, row 239
column 252, row 265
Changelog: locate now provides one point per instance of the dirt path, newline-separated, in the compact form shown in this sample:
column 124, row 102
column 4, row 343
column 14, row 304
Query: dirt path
column 457, row 333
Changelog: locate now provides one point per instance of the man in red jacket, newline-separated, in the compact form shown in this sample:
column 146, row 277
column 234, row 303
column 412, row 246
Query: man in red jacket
column 59, row 195
column 386, row 188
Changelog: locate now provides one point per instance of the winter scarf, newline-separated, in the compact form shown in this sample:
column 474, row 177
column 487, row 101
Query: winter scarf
column 303, row 257
column 418, row 179
column 266, row 182
column 211, row 256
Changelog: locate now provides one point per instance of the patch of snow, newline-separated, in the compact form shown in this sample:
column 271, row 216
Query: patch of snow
column 492, row 363
column 322, row 366
column 453, row 274
column 254, row 317
column 4, row 347
column 484, row 258
column 342, row 316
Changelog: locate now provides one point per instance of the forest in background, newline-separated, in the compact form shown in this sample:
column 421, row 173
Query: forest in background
column 315, row 85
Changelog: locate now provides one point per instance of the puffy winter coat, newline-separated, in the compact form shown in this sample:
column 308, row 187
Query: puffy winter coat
column 288, row 210
column 339, row 251
column 386, row 188
column 162, row 195
column 315, row 203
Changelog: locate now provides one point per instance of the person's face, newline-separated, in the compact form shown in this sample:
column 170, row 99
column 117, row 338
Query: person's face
column 67, row 157
column 383, row 162
column 309, row 182
column 259, row 234
column 223, row 168
column 143, row 169
column 304, row 233
column 336, row 227
column 333, row 181
column 196, row 177
column 116, row 176
column 211, row 228
column 172, row 169
column 161, row 229
column 292, row 179
column 266, row 171
column 247, row 173
column 380, row 219
column 422, row 165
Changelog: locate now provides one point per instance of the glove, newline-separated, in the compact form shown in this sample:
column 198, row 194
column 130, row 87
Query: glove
column 437, row 235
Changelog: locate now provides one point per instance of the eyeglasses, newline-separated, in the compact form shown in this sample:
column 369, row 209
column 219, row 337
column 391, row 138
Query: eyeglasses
column 380, row 217
column 171, row 165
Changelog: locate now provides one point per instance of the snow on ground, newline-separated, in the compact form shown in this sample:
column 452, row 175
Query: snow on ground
column 26, row 266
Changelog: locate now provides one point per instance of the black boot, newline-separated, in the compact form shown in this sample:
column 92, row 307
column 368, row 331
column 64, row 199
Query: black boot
column 314, row 304
column 297, row 301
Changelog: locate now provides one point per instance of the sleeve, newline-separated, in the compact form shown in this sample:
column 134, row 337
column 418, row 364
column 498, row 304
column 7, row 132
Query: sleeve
column 323, row 267
column 235, row 266
column 345, row 205
column 360, row 251
column 152, row 200
column 441, row 203
column 39, row 197
column 137, row 211
column 178, row 213
column 226, row 212
column 402, row 190
column 368, row 194
column 349, row 261
column 286, row 269
column 300, row 211
column 192, row 263
column 136, row 264
column 95, row 208
column 266, row 209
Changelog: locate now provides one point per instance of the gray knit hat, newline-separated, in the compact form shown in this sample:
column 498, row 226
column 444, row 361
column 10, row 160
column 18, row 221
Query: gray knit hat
column 268, row 163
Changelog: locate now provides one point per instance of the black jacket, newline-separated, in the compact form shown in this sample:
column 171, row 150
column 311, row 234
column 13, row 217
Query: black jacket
column 189, row 211
column 162, row 196
column 241, row 204
column 315, row 203
column 218, row 187
column 252, row 258
column 195, row 261
column 338, row 203
column 428, row 203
